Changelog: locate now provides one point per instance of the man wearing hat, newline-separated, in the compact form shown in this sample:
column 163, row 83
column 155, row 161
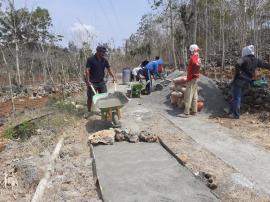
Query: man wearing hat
column 95, row 73
column 193, row 74
column 245, row 69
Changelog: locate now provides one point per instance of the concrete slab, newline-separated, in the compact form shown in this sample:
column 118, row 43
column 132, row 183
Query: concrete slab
column 250, row 160
column 145, row 172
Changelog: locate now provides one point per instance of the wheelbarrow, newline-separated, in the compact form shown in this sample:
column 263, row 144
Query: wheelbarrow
column 110, row 105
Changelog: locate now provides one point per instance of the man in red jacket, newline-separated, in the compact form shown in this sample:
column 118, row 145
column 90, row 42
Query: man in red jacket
column 193, row 74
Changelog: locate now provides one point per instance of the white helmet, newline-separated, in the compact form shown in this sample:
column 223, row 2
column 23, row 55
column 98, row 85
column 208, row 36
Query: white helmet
column 193, row 47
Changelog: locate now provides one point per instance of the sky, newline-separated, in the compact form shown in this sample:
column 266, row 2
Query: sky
column 106, row 20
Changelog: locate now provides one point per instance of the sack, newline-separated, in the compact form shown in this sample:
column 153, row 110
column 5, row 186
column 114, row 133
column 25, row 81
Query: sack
column 173, row 99
column 183, row 90
column 177, row 94
column 182, row 80
column 172, row 87
column 180, row 103
column 200, row 105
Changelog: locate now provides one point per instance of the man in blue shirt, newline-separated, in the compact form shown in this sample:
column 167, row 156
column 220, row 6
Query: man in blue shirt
column 152, row 69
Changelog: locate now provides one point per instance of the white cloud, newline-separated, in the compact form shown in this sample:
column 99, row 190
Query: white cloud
column 83, row 33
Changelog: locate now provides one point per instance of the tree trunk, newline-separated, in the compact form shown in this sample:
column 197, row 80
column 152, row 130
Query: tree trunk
column 172, row 35
column 195, row 21
column 17, row 62
column 206, row 34
column 223, row 37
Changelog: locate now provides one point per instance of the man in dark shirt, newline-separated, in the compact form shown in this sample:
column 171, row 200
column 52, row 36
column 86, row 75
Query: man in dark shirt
column 95, row 73
column 245, row 71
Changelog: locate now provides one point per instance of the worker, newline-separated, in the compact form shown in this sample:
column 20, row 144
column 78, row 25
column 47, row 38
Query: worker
column 193, row 74
column 151, row 69
column 160, row 64
column 244, row 73
column 95, row 73
column 135, row 76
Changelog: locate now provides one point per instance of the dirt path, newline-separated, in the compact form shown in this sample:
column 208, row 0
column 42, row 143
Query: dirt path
column 72, row 178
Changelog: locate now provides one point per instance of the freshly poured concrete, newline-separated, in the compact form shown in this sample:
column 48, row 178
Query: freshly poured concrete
column 145, row 172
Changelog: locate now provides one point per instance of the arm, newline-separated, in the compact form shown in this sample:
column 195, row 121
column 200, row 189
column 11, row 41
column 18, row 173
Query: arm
column 238, row 68
column 87, row 77
column 87, row 73
column 110, row 70
column 111, row 74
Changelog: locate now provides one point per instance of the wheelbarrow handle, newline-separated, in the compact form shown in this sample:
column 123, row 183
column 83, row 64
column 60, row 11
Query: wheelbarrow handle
column 93, row 89
column 114, row 85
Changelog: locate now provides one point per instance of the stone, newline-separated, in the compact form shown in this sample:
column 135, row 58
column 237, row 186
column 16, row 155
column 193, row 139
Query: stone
column 131, row 137
column 2, row 146
column 147, row 137
column 102, row 137
column 28, row 173
column 2, row 121
column 119, row 135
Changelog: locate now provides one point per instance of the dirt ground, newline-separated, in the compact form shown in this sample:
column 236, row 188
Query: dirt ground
column 22, row 103
column 249, row 127
column 24, row 163
column 72, row 179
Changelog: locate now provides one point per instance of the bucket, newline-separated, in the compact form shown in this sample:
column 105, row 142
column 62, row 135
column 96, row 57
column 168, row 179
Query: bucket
column 126, row 75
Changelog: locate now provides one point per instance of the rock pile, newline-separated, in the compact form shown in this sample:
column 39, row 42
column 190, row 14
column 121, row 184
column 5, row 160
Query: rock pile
column 255, row 99
column 40, row 91
column 110, row 136
column 133, row 137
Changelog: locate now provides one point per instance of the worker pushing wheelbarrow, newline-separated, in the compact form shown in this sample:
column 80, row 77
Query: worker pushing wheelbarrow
column 110, row 105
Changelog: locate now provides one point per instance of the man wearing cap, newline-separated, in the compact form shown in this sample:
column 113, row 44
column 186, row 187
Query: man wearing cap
column 244, row 73
column 95, row 73
column 193, row 74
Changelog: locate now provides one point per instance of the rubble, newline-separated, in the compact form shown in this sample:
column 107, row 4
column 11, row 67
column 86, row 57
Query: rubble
column 40, row 91
column 2, row 146
column 28, row 173
column 102, row 137
column 254, row 99
column 119, row 135
column 207, row 178
column 134, row 137
column 147, row 137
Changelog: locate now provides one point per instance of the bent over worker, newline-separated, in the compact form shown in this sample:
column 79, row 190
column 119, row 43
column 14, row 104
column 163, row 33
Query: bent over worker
column 193, row 74
column 245, row 72
column 95, row 73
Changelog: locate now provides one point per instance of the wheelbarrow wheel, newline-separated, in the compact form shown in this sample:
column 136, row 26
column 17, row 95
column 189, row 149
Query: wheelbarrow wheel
column 115, row 120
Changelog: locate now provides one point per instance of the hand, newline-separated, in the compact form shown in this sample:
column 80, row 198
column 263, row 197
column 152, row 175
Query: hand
column 88, row 83
column 114, row 80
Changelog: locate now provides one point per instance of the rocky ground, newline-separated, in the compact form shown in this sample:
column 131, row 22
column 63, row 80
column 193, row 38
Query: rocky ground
column 25, row 162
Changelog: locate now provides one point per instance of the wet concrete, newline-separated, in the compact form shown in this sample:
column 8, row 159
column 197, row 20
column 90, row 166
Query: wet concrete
column 145, row 172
